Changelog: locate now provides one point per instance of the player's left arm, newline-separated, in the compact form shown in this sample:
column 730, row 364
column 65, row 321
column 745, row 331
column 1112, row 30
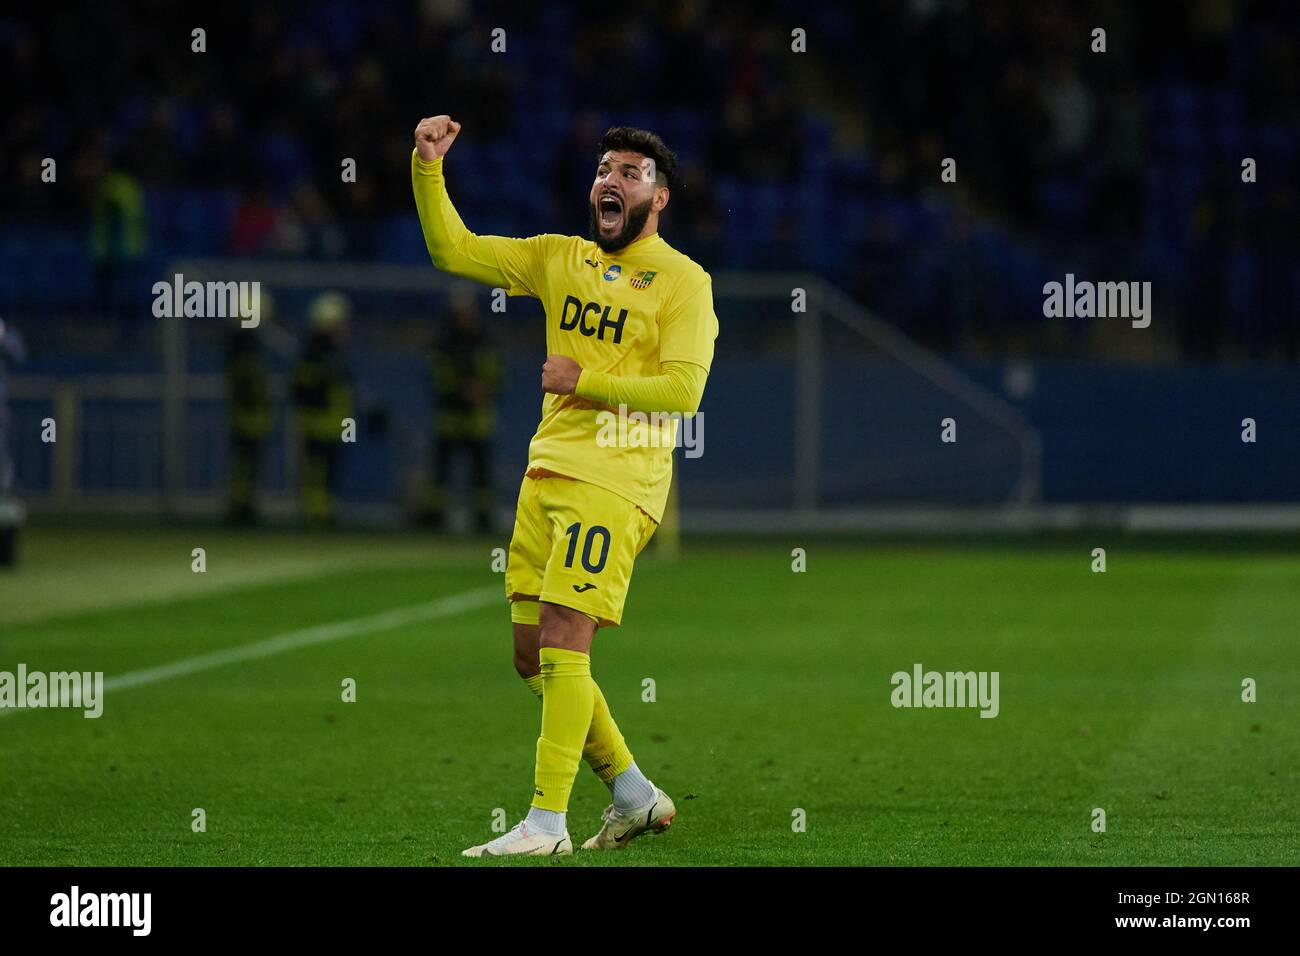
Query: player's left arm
column 686, row 334
column 678, row 387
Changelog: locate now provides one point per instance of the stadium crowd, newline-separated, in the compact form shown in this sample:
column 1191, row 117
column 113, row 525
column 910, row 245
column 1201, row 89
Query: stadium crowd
column 1121, row 165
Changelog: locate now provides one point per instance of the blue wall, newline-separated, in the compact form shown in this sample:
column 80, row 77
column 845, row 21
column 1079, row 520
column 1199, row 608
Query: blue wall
column 1162, row 433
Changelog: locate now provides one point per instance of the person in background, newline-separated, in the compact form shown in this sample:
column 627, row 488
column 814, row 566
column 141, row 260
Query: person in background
column 322, row 394
column 118, row 243
column 249, row 404
column 11, row 512
column 466, row 373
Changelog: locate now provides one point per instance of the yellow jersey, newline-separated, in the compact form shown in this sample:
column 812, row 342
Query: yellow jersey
column 620, row 313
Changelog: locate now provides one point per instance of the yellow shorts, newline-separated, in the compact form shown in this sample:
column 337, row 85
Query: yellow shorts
column 574, row 544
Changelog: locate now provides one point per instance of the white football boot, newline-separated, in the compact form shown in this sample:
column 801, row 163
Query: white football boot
column 621, row 827
column 522, row 841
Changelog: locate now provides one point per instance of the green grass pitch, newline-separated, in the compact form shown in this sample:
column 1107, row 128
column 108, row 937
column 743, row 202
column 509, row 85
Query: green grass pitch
column 1119, row 690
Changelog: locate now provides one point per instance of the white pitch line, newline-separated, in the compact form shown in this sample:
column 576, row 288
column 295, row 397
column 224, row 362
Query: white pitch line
column 306, row 637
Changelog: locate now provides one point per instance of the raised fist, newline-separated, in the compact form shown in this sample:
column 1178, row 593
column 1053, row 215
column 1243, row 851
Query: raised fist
column 434, row 136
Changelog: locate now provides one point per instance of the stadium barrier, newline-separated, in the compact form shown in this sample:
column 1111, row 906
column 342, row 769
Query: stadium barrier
column 820, row 417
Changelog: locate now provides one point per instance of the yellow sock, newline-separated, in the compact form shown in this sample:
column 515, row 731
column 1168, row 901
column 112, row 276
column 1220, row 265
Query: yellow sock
column 605, row 750
column 567, row 703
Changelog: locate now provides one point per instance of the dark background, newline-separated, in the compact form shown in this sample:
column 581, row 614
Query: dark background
column 1120, row 166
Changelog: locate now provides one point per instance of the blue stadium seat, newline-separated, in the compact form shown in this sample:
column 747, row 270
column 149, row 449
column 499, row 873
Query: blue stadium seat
column 399, row 239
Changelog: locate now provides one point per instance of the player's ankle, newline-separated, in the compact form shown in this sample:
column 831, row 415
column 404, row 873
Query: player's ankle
column 548, row 822
column 632, row 789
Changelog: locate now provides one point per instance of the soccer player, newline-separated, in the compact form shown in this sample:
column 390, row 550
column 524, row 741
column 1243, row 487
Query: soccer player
column 629, row 329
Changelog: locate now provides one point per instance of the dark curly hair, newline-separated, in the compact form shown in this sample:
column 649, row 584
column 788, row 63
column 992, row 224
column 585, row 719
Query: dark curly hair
column 646, row 143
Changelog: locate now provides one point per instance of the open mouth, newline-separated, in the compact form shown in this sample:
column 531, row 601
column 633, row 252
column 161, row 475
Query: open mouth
column 611, row 210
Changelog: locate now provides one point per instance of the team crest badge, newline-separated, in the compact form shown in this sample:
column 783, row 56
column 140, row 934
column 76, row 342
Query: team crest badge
column 612, row 273
column 642, row 279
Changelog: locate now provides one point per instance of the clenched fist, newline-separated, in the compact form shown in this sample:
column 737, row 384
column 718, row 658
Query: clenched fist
column 560, row 375
column 434, row 136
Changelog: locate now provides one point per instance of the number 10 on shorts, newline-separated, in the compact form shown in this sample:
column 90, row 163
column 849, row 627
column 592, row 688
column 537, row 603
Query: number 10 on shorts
column 574, row 531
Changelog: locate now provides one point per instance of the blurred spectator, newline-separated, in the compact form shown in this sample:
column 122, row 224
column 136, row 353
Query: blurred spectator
column 466, row 374
column 307, row 228
column 248, row 404
column 255, row 224
column 154, row 153
column 1069, row 109
column 222, row 158
column 322, row 393
column 13, row 351
column 1055, row 144
column 118, row 240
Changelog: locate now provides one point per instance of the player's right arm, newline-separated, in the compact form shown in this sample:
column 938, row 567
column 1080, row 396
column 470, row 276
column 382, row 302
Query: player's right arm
column 511, row 264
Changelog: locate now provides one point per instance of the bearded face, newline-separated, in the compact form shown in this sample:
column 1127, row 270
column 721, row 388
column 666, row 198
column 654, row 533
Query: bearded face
column 622, row 198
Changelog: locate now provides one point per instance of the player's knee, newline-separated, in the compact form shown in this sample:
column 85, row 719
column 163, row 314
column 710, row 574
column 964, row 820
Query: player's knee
column 526, row 643
column 565, row 628
column 525, row 665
